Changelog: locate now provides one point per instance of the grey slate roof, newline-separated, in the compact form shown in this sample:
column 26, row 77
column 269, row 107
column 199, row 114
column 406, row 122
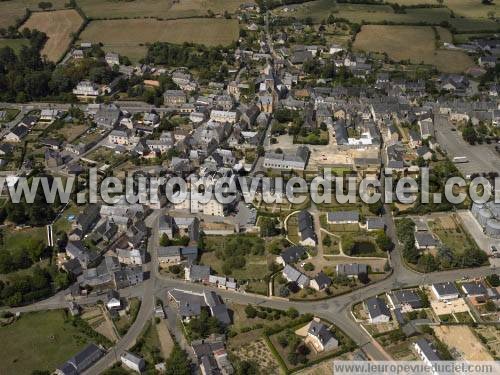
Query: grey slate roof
column 446, row 288
column 409, row 297
column 427, row 350
column 474, row 288
column 292, row 254
column 425, row 239
column 351, row 269
column 376, row 222
column 377, row 307
column 340, row 216
column 320, row 331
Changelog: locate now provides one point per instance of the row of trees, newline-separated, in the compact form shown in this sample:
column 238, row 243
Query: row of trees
column 27, row 288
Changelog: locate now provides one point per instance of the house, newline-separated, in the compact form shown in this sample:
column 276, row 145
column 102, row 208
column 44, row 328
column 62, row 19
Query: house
column 223, row 116
column 378, row 312
column 106, row 115
column 445, row 291
column 320, row 337
column 49, row 115
column 77, row 250
column 168, row 255
column 291, row 255
column 375, row 223
column 113, row 300
column 426, row 352
column 352, row 270
column 222, row 282
column 343, row 217
column 320, row 282
column 17, row 133
column 112, row 59
column 406, row 300
column 119, row 137
column 81, row 361
column 87, row 89
column 306, row 229
column 88, row 219
column 474, row 289
column 425, row 240
column 174, row 97
column 133, row 362
column 283, row 161
column 293, row 275
column 197, row 273
column 424, row 152
column 217, row 307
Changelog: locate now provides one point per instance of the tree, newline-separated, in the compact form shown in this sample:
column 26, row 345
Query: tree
column 376, row 208
column 164, row 240
column 292, row 313
column 469, row 134
column 44, row 5
column 250, row 311
column 494, row 280
column 178, row 363
column 490, row 306
column 327, row 241
column 309, row 266
column 383, row 241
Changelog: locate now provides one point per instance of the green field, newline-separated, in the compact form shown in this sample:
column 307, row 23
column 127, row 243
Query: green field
column 15, row 44
column 162, row 9
column 413, row 43
column 38, row 341
column 369, row 13
column 129, row 37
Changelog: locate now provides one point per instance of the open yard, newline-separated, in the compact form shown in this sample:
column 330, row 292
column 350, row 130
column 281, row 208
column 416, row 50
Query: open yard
column 14, row 10
column 413, row 43
column 59, row 27
column 256, row 350
column 255, row 267
column 129, row 37
column 162, row 9
column 39, row 341
column 463, row 340
column 451, row 233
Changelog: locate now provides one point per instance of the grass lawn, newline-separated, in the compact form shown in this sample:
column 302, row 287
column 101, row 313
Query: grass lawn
column 123, row 323
column 17, row 239
column 104, row 155
column 255, row 268
column 10, row 113
column 453, row 236
column 413, row 43
column 15, row 44
column 148, row 346
column 38, row 341
column 63, row 224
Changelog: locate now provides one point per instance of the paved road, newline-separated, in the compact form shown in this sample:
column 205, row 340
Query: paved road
column 145, row 311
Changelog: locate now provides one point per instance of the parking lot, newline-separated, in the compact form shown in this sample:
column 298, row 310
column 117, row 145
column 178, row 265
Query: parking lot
column 482, row 158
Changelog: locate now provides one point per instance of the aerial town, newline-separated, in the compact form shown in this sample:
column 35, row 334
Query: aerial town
column 243, row 91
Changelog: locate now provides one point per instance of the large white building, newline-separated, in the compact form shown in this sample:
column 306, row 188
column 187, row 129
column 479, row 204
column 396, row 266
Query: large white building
column 223, row 116
column 87, row 89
